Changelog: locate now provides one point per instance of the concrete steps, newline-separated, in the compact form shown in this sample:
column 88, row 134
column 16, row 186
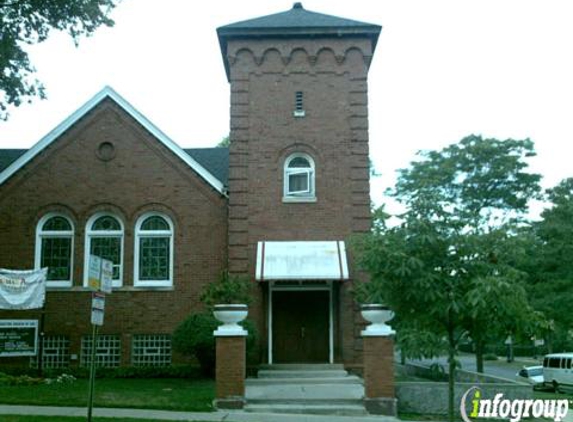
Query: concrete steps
column 305, row 389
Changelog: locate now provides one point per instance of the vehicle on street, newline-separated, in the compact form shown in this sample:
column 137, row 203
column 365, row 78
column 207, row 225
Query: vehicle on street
column 557, row 370
column 532, row 375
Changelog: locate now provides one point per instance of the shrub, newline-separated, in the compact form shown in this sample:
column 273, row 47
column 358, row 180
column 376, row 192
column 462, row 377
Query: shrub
column 489, row 356
column 228, row 289
column 194, row 337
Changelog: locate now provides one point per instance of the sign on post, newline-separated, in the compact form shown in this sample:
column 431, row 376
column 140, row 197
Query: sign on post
column 100, row 274
column 18, row 337
column 98, row 308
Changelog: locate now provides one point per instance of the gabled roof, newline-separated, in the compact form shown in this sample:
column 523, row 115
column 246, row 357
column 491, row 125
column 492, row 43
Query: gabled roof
column 8, row 156
column 215, row 160
column 107, row 92
column 296, row 22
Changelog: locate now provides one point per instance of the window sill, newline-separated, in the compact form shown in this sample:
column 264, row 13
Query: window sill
column 114, row 289
column 299, row 199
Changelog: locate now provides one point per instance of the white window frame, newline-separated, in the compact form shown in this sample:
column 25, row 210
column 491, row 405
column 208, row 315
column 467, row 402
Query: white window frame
column 306, row 195
column 158, row 233
column 90, row 234
column 41, row 234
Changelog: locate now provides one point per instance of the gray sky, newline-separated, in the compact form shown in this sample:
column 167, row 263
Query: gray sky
column 443, row 69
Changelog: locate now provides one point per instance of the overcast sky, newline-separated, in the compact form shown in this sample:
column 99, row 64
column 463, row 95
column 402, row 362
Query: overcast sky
column 443, row 69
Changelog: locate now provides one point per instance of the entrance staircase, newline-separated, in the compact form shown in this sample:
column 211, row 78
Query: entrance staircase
column 323, row 389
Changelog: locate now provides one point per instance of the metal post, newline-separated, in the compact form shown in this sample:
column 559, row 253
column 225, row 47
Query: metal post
column 92, row 373
column 41, row 341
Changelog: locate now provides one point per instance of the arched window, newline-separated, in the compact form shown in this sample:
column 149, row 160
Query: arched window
column 54, row 248
column 153, row 250
column 299, row 177
column 104, row 238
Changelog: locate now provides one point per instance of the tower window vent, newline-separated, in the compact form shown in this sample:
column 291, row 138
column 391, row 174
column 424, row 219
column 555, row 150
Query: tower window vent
column 298, row 105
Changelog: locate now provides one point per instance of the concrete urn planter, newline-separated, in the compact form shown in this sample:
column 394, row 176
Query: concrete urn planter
column 230, row 315
column 377, row 315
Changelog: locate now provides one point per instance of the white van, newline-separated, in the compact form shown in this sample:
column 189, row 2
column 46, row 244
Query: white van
column 558, row 370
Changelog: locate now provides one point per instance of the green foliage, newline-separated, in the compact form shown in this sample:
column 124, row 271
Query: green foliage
column 368, row 292
column 449, row 268
column 437, row 372
column 550, row 267
column 470, row 182
column 194, row 337
column 30, row 22
column 228, row 289
column 490, row 356
column 16, row 380
column 225, row 142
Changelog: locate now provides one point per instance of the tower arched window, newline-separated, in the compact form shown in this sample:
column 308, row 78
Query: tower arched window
column 299, row 174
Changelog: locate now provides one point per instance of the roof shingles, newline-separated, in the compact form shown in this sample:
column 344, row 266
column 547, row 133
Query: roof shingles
column 215, row 160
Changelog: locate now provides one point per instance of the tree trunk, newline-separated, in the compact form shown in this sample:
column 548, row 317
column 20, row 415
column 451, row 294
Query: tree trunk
column 480, row 346
column 451, row 375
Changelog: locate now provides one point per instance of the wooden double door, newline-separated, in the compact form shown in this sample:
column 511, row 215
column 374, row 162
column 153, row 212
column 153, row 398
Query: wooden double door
column 301, row 326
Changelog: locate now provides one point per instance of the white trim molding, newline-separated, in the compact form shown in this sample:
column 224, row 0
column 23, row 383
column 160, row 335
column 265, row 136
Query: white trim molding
column 108, row 92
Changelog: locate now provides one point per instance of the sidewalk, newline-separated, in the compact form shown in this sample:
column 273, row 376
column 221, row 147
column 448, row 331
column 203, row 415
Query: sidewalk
column 164, row 415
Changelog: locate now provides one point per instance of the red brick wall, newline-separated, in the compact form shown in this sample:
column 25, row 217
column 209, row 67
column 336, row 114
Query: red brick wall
column 144, row 176
column 230, row 370
column 378, row 367
column 265, row 74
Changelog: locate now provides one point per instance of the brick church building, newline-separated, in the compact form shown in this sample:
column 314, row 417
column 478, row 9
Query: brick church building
column 279, row 205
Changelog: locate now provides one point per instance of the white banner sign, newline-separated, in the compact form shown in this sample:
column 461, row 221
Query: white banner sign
column 22, row 289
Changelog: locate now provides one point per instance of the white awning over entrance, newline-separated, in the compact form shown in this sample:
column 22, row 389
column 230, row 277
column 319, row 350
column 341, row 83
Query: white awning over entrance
column 301, row 261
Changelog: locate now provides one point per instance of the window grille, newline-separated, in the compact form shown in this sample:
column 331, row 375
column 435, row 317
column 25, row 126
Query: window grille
column 55, row 354
column 151, row 350
column 108, row 351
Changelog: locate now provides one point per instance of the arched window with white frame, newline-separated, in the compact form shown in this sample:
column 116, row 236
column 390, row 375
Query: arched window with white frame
column 299, row 174
column 55, row 248
column 153, row 251
column 104, row 238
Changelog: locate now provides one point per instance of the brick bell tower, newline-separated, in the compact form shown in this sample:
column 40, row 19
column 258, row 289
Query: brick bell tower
column 299, row 176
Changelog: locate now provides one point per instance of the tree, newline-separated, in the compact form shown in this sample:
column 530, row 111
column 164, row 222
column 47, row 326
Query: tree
column 550, row 266
column 440, row 268
column 30, row 22
column 225, row 142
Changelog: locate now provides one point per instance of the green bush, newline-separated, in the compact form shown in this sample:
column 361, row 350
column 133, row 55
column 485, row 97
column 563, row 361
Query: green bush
column 489, row 356
column 19, row 380
column 194, row 337
column 228, row 289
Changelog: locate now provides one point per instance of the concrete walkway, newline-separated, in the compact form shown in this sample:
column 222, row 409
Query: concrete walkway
column 164, row 415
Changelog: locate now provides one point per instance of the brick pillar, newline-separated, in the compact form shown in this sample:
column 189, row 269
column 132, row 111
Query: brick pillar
column 380, row 398
column 230, row 370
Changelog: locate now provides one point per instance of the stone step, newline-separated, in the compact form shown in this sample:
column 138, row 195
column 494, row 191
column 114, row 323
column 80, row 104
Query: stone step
column 302, row 366
column 304, row 392
column 349, row 379
column 285, row 373
column 312, row 409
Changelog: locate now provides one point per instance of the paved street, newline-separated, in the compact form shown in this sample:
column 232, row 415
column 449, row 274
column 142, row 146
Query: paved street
column 498, row 368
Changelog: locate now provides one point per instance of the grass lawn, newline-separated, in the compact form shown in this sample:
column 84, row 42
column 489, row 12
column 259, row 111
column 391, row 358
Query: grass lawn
column 144, row 393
